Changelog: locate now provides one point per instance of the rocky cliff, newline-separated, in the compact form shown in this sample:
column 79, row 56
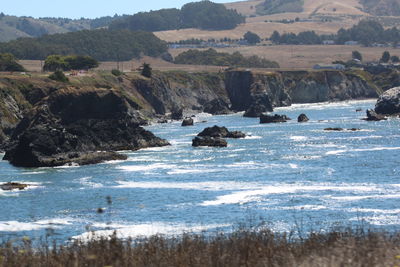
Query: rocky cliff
column 105, row 111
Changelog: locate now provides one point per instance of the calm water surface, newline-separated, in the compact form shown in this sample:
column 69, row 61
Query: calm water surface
column 287, row 175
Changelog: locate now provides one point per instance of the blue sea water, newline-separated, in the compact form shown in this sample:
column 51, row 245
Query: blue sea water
column 288, row 176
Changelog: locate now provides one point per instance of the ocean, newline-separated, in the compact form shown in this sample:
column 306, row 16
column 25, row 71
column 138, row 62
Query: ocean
column 288, row 177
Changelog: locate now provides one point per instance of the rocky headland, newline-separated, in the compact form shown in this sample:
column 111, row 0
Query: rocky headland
column 48, row 123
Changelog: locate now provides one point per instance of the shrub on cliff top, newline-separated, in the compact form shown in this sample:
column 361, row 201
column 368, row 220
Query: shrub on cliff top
column 59, row 76
column 9, row 63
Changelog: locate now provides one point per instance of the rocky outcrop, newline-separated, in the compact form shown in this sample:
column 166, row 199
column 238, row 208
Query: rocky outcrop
column 302, row 118
column 187, row 122
column 80, row 126
column 221, row 132
column 265, row 118
column 13, row 186
column 209, row 141
column 389, row 102
column 217, row 107
column 373, row 116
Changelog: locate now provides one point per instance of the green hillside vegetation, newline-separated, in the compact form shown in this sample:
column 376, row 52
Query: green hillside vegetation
column 279, row 6
column 382, row 7
column 212, row 57
column 57, row 62
column 366, row 32
column 9, row 63
column 13, row 27
column 102, row 44
column 204, row 15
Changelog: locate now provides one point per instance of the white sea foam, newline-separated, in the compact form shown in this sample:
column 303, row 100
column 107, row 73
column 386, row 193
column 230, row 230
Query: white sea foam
column 253, row 137
column 252, row 195
column 15, row 226
column 147, row 230
column 204, row 186
column 147, row 168
column 380, row 219
column 86, row 181
column 191, row 170
column 361, row 197
column 298, row 138
column 337, row 152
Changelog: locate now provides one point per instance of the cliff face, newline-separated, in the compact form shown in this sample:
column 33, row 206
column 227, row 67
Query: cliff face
column 90, row 104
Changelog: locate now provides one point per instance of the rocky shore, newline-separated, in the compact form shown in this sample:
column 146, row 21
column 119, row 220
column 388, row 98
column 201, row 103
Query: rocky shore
column 47, row 123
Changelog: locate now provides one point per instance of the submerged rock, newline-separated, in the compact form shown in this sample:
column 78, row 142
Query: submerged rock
column 209, row 141
column 188, row 122
column 389, row 102
column 303, row 118
column 222, row 132
column 265, row 118
column 79, row 126
column 13, row 186
column 373, row 116
column 341, row 129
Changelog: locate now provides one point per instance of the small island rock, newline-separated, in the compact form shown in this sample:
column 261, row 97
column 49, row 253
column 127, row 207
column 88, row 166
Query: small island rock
column 188, row 122
column 209, row 141
column 265, row 118
column 303, row 118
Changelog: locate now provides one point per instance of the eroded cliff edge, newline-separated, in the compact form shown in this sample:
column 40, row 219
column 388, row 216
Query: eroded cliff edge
column 31, row 104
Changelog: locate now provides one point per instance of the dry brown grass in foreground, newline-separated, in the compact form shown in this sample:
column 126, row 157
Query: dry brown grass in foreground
column 263, row 248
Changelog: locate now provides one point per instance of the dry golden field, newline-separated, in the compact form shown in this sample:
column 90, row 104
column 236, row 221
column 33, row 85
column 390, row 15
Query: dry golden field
column 305, row 56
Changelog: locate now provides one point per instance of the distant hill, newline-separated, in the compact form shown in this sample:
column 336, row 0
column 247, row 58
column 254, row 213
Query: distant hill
column 279, row 6
column 13, row 27
column 382, row 7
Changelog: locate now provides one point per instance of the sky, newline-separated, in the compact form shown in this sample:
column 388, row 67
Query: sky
column 86, row 8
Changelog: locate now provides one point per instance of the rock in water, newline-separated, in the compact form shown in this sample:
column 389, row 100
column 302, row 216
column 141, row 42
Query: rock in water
column 373, row 116
column 265, row 118
column 221, row 132
column 209, row 141
column 303, row 118
column 217, row 107
column 188, row 122
column 259, row 103
column 82, row 126
column 13, row 186
column 389, row 102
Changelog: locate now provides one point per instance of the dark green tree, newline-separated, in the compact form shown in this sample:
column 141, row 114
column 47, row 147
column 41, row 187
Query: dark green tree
column 275, row 37
column 146, row 70
column 59, row 76
column 356, row 55
column 385, row 57
column 9, row 63
column 55, row 63
column 395, row 59
column 81, row 62
column 252, row 38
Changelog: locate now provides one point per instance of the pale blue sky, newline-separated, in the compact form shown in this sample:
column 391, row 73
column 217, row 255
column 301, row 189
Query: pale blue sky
column 85, row 8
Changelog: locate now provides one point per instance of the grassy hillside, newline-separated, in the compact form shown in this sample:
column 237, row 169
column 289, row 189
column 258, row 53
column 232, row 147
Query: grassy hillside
column 382, row 7
column 280, row 6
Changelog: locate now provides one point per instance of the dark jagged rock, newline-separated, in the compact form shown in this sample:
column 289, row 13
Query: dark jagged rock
column 359, row 110
column 209, row 141
column 177, row 114
column 373, row 116
column 79, row 126
column 303, row 118
column 188, row 122
column 389, row 102
column 13, row 186
column 221, row 132
column 265, row 118
column 260, row 103
column 217, row 107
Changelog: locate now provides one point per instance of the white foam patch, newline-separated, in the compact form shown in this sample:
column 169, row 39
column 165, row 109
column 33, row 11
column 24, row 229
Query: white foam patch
column 86, row 181
column 252, row 195
column 298, row 138
column 146, row 168
column 15, row 226
column 325, row 105
column 204, row 186
column 379, row 211
column 304, row 207
column 33, row 173
column 147, row 230
column 362, row 197
column 337, row 152
column 191, row 170
column 380, row 219
column 301, row 157
column 253, row 137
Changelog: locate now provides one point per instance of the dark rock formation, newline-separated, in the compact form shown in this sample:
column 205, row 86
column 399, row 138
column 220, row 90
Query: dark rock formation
column 177, row 114
column 80, row 126
column 303, row 118
column 265, row 118
column 221, row 132
column 188, row 122
column 373, row 116
column 13, row 186
column 260, row 103
column 389, row 102
column 209, row 141
column 217, row 107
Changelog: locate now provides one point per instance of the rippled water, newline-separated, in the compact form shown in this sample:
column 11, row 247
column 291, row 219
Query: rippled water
column 289, row 175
